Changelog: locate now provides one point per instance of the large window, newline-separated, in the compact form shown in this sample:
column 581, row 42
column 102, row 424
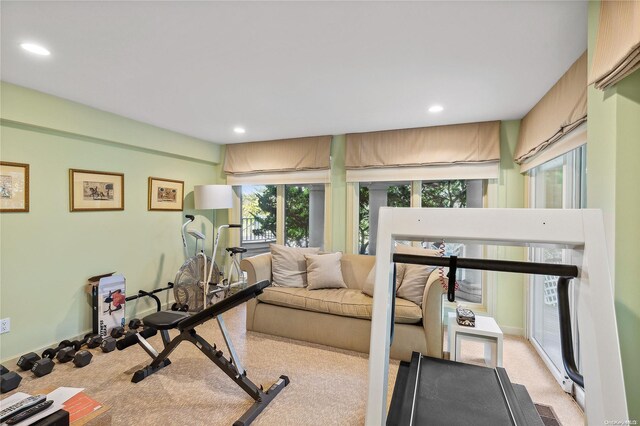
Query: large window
column 287, row 214
column 442, row 194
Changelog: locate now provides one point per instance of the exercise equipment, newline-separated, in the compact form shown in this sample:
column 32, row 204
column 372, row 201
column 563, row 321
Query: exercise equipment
column 186, row 327
column 108, row 344
column 117, row 332
column 25, row 362
column 82, row 358
column 94, row 341
column 66, row 354
column 135, row 324
column 579, row 230
column 133, row 336
column 9, row 380
column 51, row 352
column 42, row 367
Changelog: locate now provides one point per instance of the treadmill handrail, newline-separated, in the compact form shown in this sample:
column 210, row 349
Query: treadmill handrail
column 223, row 305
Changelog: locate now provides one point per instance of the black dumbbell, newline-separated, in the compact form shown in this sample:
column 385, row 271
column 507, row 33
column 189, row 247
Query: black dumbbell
column 9, row 380
column 26, row 361
column 51, row 352
column 82, row 358
column 135, row 324
column 78, row 344
column 117, row 332
column 94, row 341
column 42, row 367
column 108, row 344
column 66, row 354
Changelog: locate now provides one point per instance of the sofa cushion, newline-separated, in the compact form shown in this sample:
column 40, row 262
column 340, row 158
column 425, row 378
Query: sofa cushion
column 344, row 301
column 415, row 276
column 288, row 265
column 324, row 271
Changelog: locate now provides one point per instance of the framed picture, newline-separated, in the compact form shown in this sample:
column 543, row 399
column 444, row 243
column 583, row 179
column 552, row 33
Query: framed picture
column 165, row 194
column 95, row 191
column 14, row 187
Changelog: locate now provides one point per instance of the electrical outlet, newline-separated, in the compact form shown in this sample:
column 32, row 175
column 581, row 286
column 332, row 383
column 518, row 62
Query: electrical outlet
column 5, row 325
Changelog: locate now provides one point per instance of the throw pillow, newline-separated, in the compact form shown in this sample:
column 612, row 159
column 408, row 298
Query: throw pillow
column 324, row 271
column 415, row 276
column 370, row 282
column 288, row 265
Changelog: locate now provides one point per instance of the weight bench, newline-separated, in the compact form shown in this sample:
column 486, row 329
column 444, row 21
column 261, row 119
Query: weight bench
column 186, row 324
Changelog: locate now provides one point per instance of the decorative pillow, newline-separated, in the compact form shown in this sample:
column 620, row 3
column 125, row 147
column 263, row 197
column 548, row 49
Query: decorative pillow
column 415, row 276
column 288, row 265
column 324, row 271
column 370, row 282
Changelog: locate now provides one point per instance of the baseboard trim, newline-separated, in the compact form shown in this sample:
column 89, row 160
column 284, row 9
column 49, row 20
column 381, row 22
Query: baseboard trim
column 11, row 362
column 513, row 331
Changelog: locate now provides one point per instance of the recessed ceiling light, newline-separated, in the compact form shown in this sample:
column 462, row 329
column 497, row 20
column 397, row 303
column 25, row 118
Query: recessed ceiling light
column 35, row 48
column 239, row 130
column 435, row 108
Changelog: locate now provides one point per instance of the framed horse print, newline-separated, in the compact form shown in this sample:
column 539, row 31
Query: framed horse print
column 165, row 194
column 95, row 191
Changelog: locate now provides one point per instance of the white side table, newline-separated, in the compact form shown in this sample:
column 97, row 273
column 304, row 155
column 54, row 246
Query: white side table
column 486, row 331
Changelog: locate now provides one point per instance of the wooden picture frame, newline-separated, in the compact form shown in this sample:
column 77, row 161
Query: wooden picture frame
column 165, row 194
column 90, row 190
column 14, row 187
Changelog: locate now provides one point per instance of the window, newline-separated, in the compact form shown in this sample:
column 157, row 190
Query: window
column 556, row 184
column 258, row 218
column 287, row 214
column 372, row 196
column 442, row 194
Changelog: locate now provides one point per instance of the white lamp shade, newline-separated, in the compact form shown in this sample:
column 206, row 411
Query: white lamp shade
column 209, row 197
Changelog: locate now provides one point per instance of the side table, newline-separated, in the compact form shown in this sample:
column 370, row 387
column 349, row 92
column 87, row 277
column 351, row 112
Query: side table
column 486, row 331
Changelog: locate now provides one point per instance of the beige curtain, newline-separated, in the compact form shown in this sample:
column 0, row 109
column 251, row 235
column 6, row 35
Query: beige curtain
column 561, row 109
column 286, row 155
column 460, row 143
column 617, row 52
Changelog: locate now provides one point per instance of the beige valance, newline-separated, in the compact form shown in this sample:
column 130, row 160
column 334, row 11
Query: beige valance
column 286, row 155
column 561, row 109
column 617, row 52
column 459, row 143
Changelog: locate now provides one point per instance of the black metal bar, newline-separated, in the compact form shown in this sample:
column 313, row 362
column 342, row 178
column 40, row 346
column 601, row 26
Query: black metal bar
column 393, row 306
column 566, row 336
column 451, row 285
column 492, row 265
column 142, row 293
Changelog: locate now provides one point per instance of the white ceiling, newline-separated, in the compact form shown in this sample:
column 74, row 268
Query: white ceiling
column 290, row 69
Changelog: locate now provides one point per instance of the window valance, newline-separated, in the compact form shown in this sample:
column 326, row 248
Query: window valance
column 617, row 52
column 562, row 109
column 278, row 156
column 426, row 146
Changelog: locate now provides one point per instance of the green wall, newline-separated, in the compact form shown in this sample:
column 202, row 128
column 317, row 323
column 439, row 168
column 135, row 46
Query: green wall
column 613, row 176
column 510, row 288
column 48, row 253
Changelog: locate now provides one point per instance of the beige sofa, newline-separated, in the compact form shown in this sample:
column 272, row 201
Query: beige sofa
column 342, row 317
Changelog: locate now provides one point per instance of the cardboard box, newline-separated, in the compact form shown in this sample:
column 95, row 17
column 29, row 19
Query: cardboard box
column 108, row 294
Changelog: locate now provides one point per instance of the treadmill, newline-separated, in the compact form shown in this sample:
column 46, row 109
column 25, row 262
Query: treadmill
column 433, row 391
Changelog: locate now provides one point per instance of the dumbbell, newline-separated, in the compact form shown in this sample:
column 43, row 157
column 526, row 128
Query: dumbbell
column 42, row 367
column 26, row 361
column 80, row 358
column 91, row 340
column 108, row 344
column 51, row 352
column 117, row 332
column 9, row 380
column 131, row 338
column 135, row 324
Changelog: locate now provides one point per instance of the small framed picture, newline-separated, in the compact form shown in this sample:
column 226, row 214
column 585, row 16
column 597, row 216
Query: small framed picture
column 165, row 194
column 95, row 191
column 14, row 187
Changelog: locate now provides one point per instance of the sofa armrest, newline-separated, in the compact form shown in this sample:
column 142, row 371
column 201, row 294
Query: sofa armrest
column 258, row 268
column 432, row 314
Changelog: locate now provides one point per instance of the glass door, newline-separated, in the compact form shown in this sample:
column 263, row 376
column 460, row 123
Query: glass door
column 556, row 184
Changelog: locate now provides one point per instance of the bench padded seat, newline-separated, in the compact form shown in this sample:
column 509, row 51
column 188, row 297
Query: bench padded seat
column 344, row 302
column 164, row 320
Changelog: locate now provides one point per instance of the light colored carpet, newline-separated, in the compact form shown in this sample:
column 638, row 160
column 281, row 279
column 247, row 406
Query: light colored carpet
column 328, row 386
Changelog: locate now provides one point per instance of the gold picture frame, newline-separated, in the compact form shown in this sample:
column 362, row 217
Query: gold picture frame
column 14, row 187
column 165, row 194
column 91, row 190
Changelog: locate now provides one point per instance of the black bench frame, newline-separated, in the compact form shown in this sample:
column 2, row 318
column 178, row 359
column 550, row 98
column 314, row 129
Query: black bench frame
column 186, row 327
